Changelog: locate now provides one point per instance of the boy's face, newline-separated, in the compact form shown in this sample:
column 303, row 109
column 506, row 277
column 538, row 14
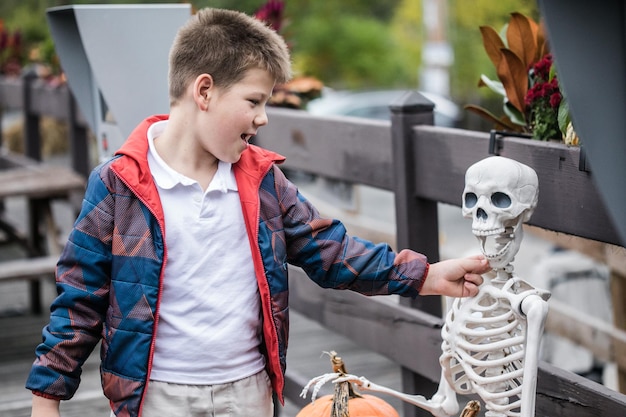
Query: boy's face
column 234, row 115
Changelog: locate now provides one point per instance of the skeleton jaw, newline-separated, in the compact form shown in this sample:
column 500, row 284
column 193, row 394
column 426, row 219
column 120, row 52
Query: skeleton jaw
column 494, row 244
column 500, row 245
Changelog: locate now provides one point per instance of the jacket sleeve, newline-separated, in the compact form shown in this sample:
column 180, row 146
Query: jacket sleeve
column 77, row 313
column 333, row 259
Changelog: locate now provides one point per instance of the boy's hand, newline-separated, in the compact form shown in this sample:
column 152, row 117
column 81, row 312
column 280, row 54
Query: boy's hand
column 456, row 277
column 44, row 407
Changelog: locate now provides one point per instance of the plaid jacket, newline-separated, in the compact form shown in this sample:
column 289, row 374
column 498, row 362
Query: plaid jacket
column 109, row 274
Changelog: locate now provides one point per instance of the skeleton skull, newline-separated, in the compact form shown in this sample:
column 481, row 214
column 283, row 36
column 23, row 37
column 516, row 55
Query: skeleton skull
column 500, row 194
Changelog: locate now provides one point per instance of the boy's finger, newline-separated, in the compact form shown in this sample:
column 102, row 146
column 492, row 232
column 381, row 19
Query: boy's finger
column 476, row 264
column 473, row 279
column 470, row 289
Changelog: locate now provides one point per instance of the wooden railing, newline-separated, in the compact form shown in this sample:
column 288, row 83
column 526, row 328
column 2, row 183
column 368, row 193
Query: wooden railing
column 422, row 165
column 36, row 99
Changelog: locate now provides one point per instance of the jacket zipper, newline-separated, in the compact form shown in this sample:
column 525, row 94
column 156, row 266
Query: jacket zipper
column 268, row 296
column 158, row 301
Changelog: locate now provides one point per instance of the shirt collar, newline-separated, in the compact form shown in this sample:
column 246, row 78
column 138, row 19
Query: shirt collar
column 167, row 178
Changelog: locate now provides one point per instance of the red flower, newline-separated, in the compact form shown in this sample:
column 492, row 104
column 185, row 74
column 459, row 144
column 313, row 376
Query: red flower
column 271, row 13
column 541, row 69
column 555, row 100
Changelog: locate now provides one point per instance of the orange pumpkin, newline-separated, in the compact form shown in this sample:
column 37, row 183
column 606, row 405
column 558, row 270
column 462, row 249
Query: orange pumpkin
column 346, row 402
column 364, row 406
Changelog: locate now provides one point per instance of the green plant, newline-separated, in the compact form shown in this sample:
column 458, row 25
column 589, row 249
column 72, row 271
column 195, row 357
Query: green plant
column 532, row 99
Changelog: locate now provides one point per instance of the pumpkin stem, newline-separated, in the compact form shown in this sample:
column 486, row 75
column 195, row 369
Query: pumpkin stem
column 344, row 391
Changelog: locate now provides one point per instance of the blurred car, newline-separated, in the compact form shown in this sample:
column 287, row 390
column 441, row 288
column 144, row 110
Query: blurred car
column 375, row 105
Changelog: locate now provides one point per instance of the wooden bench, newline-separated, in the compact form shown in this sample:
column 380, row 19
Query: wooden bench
column 39, row 183
column 28, row 268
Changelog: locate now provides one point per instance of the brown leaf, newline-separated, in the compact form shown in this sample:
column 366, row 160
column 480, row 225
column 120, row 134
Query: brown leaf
column 493, row 44
column 471, row 409
column 304, row 85
column 514, row 76
column 542, row 42
column 522, row 38
column 499, row 123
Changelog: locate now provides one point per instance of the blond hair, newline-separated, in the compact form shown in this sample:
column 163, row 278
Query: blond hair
column 225, row 44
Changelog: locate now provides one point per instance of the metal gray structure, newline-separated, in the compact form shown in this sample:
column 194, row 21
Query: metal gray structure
column 115, row 59
column 588, row 40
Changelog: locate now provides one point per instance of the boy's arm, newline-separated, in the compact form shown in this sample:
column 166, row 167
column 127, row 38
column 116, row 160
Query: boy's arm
column 331, row 257
column 78, row 312
column 335, row 260
column 44, row 407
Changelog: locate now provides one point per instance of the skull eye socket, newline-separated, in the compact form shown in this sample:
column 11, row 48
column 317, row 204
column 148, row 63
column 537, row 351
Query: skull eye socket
column 500, row 200
column 470, row 200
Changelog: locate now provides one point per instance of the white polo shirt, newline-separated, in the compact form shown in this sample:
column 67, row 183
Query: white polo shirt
column 209, row 327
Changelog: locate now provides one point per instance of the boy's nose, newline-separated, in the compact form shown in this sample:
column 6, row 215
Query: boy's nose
column 261, row 119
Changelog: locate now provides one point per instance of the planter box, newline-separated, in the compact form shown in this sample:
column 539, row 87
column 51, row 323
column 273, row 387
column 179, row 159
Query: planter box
column 568, row 199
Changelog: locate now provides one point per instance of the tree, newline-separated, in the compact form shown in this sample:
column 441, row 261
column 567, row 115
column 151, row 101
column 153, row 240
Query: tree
column 349, row 52
column 347, row 44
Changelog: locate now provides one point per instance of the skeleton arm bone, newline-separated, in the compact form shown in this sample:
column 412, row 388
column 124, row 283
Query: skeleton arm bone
column 536, row 309
column 443, row 403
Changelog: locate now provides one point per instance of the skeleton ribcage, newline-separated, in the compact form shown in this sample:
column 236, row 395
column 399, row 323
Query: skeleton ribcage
column 483, row 351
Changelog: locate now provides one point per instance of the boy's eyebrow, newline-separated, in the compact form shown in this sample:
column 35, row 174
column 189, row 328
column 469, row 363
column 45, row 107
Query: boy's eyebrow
column 263, row 95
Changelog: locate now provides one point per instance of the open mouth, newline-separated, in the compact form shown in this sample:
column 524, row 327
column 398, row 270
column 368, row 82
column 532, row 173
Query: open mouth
column 246, row 138
column 496, row 245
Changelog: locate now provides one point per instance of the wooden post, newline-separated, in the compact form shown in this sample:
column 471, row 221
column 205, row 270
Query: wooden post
column 32, row 134
column 32, row 149
column 416, row 218
column 1, row 125
column 618, row 293
column 79, row 147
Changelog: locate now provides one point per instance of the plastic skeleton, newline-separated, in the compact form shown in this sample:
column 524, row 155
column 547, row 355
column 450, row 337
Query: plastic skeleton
column 491, row 341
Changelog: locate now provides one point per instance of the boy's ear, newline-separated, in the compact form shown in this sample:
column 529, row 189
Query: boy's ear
column 203, row 87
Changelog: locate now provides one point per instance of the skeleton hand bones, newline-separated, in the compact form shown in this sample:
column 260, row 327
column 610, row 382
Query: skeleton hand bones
column 442, row 404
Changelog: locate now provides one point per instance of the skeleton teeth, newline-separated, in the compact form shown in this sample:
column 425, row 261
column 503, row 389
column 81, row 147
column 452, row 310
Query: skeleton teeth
column 494, row 246
column 479, row 232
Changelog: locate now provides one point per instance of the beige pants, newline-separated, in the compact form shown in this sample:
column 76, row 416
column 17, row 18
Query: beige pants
column 250, row 396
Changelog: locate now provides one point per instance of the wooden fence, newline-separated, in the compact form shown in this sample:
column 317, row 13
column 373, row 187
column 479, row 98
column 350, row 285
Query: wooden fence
column 422, row 165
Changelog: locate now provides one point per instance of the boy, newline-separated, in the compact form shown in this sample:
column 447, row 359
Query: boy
column 177, row 261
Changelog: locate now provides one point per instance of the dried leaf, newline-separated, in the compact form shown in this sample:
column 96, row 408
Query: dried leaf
column 522, row 39
column 542, row 42
column 471, row 409
column 304, row 85
column 493, row 44
column 514, row 77
column 499, row 123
